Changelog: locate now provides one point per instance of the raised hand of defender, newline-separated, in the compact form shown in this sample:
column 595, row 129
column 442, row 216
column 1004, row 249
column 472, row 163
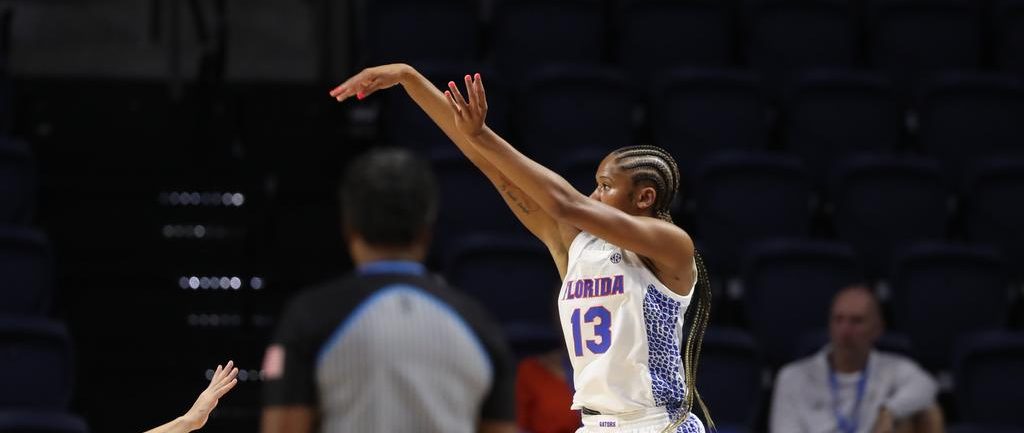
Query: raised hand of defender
column 469, row 115
column 222, row 382
column 370, row 80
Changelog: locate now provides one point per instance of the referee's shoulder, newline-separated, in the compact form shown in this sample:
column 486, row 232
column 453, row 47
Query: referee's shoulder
column 319, row 294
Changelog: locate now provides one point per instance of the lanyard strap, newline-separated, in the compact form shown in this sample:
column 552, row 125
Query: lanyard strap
column 847, row 424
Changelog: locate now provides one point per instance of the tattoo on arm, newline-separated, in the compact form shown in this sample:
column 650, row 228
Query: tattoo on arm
column 516, row 196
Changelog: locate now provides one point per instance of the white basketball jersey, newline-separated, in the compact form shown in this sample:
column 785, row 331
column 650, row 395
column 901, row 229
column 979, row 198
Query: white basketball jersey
column 623, row 330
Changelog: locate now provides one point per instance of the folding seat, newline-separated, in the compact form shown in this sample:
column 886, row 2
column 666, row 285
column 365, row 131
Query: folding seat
column 657, row 35
column 469, row 203
column 40, row 421
column 404, row 124
column 528, row 34
column 964, row 117
column 17, row 182
column 982, row 428
column 746, row 197
column 942, row 292
column 695, row 113
column 567, row 111
column 992, row 208
column 788, row 36
column 1008, row 23
column 988, row 378
column 37, row 359
column 415, row 32
column 729, row 378
column 872, row 211
column 788, row 286
column 828, row 116
column 26, row 271
column 514, row 279
column 913, row 38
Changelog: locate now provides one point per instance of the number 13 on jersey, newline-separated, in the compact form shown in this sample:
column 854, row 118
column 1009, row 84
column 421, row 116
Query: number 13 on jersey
column 601, row 318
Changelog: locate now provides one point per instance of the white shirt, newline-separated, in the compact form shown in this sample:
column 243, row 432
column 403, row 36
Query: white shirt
column 623, row 330
column 802, row 401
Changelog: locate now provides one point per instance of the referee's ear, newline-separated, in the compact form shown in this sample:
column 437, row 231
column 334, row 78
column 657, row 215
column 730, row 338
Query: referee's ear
column 424, row 238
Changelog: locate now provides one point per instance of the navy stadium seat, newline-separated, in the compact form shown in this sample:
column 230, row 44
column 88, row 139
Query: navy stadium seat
column 982, row 428
column 515, row 280
column 695, row 113
column 658, row 35
column 969, row 116
column 872, row 211
column 26, row 271
column 469, row 203
column 913, row 38
column 942, row 292
column 993, row 211
column 17, row 182
column 788, row 286
column 564, row 111
column 746, row 197
column 36, row 355
column 411, row 31
column 829, row 115
column 528, row 34
column 40, row 421
column 729, row 377
column 787, row 36
column 1008, row 20
column 989, row 379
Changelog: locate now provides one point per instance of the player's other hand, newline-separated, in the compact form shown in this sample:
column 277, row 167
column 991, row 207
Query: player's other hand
column 469, row 114
column 370, row 80
column 222, row 382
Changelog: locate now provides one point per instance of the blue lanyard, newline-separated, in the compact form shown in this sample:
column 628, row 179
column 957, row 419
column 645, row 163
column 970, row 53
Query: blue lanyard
column 847, row 424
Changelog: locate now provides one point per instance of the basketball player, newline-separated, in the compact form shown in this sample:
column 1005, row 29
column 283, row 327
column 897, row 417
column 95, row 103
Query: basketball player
column 628, row 272
column 222, row 381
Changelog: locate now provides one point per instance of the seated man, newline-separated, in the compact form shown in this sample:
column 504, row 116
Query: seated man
column 848, row 387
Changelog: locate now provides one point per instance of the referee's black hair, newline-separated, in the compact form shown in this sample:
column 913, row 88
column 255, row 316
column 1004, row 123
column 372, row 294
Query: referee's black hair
column 389, row 197
column 654, row 166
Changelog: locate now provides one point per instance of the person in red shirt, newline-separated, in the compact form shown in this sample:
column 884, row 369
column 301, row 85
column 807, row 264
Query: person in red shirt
column 544, row 394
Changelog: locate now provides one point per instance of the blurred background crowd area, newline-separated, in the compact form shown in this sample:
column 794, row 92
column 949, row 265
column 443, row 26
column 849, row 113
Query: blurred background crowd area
column 169, row 169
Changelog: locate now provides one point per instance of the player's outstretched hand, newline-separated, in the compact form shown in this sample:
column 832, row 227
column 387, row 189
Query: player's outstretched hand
column 222, row 382
column 370, row 80
column 469, row 115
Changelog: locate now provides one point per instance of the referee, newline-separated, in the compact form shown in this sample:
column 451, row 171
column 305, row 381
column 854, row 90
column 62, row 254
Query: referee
column 388, row 348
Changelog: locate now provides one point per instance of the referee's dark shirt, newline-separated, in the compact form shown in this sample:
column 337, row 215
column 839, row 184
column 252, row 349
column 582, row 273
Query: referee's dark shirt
column 390, row 349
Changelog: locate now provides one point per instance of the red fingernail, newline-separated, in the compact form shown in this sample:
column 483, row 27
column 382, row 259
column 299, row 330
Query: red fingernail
column 478, row 75
column 360, row 95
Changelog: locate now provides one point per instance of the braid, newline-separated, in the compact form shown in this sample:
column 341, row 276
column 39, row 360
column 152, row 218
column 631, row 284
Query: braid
column 656, row 166
column 694, row 341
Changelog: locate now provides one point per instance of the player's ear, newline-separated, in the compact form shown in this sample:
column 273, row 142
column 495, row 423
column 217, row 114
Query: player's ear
column 645, row 197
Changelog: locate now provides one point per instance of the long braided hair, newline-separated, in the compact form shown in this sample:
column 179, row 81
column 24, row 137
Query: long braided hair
column 655, row 166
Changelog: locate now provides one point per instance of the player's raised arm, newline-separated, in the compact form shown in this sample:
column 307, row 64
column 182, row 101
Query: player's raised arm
column 222, row 382
column 432, row 102
column 661, row 241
